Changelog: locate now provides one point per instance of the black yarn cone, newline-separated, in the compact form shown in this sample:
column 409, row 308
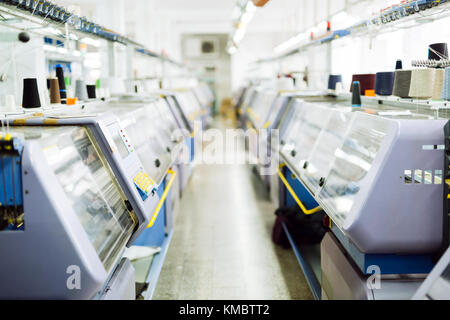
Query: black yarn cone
column 30, row 94
column 356, row 94
column 441, row 48
column 62, row 84
column 399, row 65
column 333, row 80
column 91, row 91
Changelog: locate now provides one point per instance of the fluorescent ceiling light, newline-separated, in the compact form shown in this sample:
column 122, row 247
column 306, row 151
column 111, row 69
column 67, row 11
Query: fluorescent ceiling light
column 247, row 17
column 243, row 13
column 294, row 41
column 250, row 7
column 91, row 42
column 343, row 20
column 232, row 50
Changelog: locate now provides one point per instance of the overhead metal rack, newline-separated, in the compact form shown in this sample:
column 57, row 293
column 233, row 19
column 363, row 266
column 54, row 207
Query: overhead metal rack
column 388, row 20
column 47, row 14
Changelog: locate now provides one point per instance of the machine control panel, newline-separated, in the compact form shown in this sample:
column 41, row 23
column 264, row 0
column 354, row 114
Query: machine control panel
column 121, row 145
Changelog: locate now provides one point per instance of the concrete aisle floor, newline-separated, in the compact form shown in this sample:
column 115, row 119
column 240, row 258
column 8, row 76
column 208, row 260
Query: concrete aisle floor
column 222, row 248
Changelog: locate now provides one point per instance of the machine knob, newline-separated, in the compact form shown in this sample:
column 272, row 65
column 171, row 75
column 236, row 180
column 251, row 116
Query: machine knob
column 157, row 163
column 293, row 153
column 322, row 182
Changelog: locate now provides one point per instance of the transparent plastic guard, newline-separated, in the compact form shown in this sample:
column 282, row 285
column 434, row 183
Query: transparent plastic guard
column 90, row 187
column 302, row 135
column 261, row 106
column 352, row 163
column 248, row 97
column 274, row 111
column 324, row 151
column 169, row 122
column 189, row 104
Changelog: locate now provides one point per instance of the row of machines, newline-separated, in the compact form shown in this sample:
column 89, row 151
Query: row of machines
column 378, row 174
column 82, row 183
column 263, row 110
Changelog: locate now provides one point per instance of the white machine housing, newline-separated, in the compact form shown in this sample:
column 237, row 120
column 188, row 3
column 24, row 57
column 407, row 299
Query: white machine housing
column 76, row 221
column 378, row 178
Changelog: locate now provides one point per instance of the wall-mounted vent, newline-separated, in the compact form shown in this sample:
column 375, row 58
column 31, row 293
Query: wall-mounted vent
column 208, row 47
column 201, row 47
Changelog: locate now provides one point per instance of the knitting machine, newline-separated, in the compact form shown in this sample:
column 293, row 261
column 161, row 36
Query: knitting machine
column 69, row 219
column 189, row 105
column 347, row 160
column 437, row 284
column 118, row 168
column 205, row 97
column 259, row 108
column 183, row 105
column 170, row 103
column 247, row 100
column 375, row 172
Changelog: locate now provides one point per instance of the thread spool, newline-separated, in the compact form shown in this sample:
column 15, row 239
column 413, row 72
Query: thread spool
column 31, row 97
column 422, row 83
column 55, row 96
column 333, row 80
column 384, row 83
column 91, row 91
column 402, row 83
column 356, row 94
column 366, row 82
column 438, row 84
column 438, row 51
column 101, row 93
column 10, row 103
column 399, row 65
column 446, row 85
column 81, row 90
column 106, row 93
column 62, row 84
column 115, row 85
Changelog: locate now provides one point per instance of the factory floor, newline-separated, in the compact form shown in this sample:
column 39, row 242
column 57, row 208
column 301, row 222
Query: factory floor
column 221, row 247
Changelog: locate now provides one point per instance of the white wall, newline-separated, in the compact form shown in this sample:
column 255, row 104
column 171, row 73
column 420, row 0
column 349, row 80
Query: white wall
column 374, row 53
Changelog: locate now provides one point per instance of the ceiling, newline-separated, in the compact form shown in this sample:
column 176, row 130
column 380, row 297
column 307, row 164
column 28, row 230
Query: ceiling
column 203, row 16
